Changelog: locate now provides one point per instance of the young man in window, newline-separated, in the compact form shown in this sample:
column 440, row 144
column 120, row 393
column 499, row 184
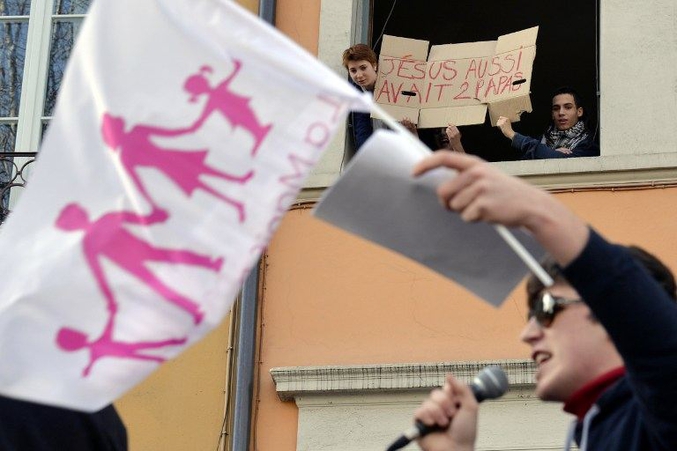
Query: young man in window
column 603, row 337
column 566, row 137
column 361, row 63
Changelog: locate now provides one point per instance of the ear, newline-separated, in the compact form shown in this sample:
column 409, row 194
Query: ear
column 375, row 66
column 579, row 111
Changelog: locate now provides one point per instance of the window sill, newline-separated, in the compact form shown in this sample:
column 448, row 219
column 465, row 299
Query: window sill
column 597, row 172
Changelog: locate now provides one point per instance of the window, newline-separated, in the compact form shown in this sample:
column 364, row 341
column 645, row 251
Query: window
column 14, row 25
column 37, row 38
column 636, row 78
column 566, row 52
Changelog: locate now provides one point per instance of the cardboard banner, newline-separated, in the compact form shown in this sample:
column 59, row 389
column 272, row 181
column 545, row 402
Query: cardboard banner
column 456, row 83
column 171, row 159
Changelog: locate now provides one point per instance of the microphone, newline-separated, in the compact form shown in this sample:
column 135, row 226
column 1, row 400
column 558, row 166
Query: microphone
column 490, row 383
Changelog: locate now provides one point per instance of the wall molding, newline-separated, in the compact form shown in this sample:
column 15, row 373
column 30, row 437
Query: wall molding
column 296, row 381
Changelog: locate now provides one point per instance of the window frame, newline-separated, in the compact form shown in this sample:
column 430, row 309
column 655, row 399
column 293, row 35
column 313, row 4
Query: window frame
column 41, row 22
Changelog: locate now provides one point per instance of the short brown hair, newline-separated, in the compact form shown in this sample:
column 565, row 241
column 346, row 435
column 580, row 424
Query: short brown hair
column 359, row 52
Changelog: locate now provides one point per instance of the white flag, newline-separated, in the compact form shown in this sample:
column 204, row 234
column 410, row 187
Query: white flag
column 183, row 131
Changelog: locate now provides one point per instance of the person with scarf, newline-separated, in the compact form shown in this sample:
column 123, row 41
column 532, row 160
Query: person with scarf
column 566, row 137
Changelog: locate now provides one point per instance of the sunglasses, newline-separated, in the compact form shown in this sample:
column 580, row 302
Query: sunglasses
column 547, row 306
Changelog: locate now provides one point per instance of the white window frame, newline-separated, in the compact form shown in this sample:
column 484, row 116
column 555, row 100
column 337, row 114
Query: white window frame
column 34, row 83
column 30, row 119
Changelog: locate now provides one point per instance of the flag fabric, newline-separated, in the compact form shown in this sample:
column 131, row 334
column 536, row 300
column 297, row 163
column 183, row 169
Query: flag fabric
column 183, row 131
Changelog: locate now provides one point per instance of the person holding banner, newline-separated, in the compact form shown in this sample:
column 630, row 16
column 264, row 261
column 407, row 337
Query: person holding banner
column 449, row 138
column 566, row 137
column 603, row 336
column 361, row 63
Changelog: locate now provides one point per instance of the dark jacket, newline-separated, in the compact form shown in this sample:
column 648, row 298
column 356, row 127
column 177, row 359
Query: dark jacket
column 361, row 128
column 639, row 412
column 28, row 426
column 360, row 125
column 531, row 148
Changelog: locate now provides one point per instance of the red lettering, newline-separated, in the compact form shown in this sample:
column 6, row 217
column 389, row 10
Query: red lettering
column 464, row 89
column 392, row 66
column 427, row 92
column 432, row 67
column 414, row 88
column 449, row 70
column 519, row 59
column 478, row 86
column 518, row 86
column 441, row 88
column 480, row 71
column 490, row 86
column 495, row 64
column 404, row 68
column 471, row 68
column 510, row 57
column 396, row 92
column 420, row 68
column 384, row 90
column 504, row 83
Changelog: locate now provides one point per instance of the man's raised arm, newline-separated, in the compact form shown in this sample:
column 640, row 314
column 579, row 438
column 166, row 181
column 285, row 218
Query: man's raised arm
column 480, row 192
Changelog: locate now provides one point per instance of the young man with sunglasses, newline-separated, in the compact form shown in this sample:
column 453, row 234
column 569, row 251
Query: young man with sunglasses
column 603, row 336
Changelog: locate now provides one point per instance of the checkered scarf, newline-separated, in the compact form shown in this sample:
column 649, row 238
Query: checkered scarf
column 568, row 139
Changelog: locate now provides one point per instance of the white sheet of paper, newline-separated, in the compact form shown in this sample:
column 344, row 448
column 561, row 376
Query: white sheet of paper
column 378, row 199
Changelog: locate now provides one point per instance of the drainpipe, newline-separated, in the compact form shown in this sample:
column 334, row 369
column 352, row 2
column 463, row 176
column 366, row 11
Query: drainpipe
column 245, row 362
column 267, row 10
column 246, row 335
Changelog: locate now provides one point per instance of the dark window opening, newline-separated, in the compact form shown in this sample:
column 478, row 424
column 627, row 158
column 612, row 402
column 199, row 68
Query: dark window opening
column 566, row 53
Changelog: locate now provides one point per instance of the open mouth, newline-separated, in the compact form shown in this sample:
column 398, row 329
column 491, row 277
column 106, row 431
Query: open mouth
column 541, row 357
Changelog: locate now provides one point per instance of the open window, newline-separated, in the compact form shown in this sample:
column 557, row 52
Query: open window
column 566, row 53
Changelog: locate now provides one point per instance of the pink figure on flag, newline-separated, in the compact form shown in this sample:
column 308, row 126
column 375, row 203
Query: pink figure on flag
column 73, row 340
column 107, row 237
column 230, row 104
column 184, row 168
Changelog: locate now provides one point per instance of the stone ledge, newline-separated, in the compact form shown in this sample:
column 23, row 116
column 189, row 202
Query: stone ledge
column 291, row 382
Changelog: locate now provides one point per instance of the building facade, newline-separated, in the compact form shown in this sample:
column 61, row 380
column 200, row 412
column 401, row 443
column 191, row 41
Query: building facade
column 351, row 336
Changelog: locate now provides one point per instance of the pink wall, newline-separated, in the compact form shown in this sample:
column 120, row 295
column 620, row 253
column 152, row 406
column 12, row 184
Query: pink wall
column 300, row 20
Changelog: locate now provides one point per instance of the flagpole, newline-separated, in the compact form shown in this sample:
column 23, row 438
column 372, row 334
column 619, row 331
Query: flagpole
column 508, row 237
